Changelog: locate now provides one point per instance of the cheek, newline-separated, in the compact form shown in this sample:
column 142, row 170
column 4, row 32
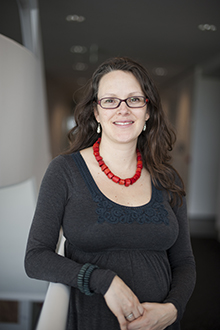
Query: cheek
column 104, row 117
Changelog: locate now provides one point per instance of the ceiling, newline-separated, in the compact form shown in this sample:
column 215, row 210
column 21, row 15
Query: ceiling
column 161, row 34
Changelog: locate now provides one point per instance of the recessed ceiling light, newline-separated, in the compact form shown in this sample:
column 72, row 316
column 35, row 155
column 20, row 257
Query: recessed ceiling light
column 80, row 66
column 75, row 18
column 78, row 49
column 160, row 71
column 207, row 27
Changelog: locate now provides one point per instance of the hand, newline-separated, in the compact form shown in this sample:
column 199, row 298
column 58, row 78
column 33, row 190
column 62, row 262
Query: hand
column 155, row 317
column 122, row 302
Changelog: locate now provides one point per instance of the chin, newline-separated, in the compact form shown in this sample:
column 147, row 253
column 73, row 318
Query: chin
column 125, row 139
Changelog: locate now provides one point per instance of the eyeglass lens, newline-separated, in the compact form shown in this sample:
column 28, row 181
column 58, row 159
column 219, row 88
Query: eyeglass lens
column 132, row 102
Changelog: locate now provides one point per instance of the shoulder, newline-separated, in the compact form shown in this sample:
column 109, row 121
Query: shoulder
column 62, row 161
column 173, row 186
column 61, row 167
column 177, row 179
column 178, row 195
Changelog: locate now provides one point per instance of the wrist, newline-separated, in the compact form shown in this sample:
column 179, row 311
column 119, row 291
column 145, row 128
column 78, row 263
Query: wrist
column 171, row 309
column 101, row 280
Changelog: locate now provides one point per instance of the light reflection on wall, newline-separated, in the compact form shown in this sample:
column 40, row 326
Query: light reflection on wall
column 177, row 104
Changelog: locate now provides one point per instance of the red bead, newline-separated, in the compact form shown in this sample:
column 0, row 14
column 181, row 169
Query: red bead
column 110, row 175
column 107, row 170
column 122, row 182
column 103, row 167
column 115, row 179
column 98, row 158
column 127, row 182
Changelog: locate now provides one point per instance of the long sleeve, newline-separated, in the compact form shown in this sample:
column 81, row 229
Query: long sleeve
column 182, row 264
column 41, row 260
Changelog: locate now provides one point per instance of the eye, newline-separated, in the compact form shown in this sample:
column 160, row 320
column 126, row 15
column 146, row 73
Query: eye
column 135, row 99
column 108, row 101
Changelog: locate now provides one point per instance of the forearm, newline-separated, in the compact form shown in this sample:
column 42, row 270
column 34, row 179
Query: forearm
column 182, row 264
column 47, row 265
column 182, row 286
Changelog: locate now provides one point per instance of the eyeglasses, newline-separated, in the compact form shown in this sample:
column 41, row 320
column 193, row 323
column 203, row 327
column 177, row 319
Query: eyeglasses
column 114, row 102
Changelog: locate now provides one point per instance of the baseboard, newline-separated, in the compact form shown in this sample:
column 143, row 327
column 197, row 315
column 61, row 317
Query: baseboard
column 203, row 227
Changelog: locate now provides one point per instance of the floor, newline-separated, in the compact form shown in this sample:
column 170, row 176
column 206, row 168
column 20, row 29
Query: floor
column 203, row 309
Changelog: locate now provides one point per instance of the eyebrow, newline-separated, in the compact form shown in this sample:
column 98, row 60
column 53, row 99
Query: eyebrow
column 129, row 95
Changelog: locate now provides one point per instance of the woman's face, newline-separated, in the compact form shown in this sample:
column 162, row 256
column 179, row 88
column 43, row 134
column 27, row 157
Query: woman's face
column 122, row 124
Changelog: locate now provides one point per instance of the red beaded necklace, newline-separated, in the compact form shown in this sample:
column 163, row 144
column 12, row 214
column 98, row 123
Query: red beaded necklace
column 110, row 175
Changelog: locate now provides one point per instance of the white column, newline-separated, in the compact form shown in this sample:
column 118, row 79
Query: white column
column 205, row 155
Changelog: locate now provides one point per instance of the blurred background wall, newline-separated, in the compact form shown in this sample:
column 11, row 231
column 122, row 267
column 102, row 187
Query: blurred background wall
column 40, row 83
column 24, row 156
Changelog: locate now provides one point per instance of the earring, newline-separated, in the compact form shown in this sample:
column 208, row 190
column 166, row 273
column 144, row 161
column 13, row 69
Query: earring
column 98, row 128
column 144, row 128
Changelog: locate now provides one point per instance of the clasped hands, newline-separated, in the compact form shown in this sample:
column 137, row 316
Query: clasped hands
column 132, row 315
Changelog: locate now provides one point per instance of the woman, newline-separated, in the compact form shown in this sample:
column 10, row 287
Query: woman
column 121, row 205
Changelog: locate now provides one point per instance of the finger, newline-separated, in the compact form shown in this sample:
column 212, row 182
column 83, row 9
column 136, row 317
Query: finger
column 137, row 324
column 130, row 317
column 137, row 312
column 123, row 322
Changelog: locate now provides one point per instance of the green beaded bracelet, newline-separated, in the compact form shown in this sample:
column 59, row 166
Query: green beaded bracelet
column 80, row 278
column 87, row 275
column 83, row 278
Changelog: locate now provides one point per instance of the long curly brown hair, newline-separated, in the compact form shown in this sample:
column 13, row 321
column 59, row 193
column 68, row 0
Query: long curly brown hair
column 155, row 143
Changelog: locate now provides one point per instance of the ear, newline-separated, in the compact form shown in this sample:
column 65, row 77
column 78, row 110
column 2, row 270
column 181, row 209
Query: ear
column 96, row 113
column 147, row 116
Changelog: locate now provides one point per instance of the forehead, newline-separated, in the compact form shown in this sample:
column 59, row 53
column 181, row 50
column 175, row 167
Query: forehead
column 118, row 81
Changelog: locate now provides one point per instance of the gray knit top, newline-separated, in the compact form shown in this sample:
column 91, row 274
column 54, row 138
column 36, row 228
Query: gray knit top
column 147, row 246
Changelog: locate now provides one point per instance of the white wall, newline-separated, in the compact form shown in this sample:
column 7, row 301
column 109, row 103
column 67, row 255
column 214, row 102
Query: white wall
column 205, row 155
column 205, row 149
column 192, row 105
column 17, row 204
column 24, row 147
column 24, row 157
column 177, row 103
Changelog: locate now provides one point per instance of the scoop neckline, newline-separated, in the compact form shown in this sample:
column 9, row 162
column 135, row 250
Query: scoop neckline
column 93, row 187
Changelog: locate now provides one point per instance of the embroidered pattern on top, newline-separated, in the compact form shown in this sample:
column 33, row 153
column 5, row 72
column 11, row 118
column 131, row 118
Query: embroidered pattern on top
column 154, row 212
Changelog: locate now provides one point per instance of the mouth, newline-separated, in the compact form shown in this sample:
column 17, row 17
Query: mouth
column 123, row 123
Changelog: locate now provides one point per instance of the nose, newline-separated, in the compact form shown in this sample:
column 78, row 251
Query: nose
column 123, row 108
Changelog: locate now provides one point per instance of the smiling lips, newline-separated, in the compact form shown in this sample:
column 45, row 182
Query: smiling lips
column 123, row 123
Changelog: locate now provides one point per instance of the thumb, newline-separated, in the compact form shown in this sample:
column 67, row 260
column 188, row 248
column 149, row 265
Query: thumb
column 141, row 309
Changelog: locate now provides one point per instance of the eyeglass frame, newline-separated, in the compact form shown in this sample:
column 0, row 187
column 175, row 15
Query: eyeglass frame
column 125, row 100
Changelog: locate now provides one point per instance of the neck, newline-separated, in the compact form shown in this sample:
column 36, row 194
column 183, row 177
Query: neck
column 118, row 153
